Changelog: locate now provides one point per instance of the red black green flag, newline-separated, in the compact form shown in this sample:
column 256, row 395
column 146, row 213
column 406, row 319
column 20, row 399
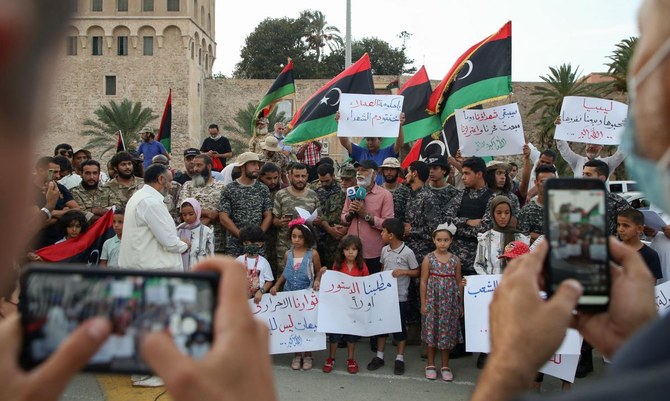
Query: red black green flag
column 482, row 74
column 120, row 143
column 281, row 88
column 165, row 131
column 83, row 249
column 315, row 118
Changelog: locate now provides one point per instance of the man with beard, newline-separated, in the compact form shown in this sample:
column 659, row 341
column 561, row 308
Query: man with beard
column 206, row 190
column 592, row 151
column 272, row 154
column 80, row 157
column 150, row 147
column 244, row 202
column 124, row 185
column 183, row 176
column 259, row 135
column 421, row 215
column 390, row 170
column 150, row 239
column 68, row 178
column 437, row 183
column 283, row 210
column 269, row 176
column 217, row 146
column 365, row 217
column 93, row 199
column 330, row 212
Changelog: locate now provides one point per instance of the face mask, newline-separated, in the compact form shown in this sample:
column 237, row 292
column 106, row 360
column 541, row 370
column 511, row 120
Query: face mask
column 640, row 168
column 252, row 249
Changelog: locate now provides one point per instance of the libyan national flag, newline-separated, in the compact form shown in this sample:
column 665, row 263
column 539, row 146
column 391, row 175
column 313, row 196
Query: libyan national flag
column 165, row 131
column 86, row 248
column 482, row 74
column 315, row 118
column 282, row 87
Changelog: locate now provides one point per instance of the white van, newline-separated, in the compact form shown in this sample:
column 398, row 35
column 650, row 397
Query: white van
column 619, row 187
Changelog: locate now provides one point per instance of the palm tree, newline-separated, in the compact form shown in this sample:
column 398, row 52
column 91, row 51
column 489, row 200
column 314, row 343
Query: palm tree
column 243, row 120
column 562, row 81
column 128, row 117
column 620, row 60
column 319, row 34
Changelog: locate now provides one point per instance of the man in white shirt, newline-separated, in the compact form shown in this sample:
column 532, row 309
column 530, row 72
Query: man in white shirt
column 576, row 162
column 150, row 238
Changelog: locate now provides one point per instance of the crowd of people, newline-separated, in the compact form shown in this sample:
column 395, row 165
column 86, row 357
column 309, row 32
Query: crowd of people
column 628, row 332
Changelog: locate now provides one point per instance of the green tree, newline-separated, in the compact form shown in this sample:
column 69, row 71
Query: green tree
column 128, row 117
column 384, row 58
column 243, row 118
column 620, row 58
column 560, row 82
column 268, row 47
column 319, row 34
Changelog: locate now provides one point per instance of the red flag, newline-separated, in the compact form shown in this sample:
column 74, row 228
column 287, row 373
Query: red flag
column 83, row 249
column 120, row 144
column 165, row 131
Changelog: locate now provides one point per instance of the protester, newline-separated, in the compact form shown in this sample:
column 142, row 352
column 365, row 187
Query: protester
column 150, row 147
column 287, row 150
column 109, row 256
column 69, row 179
column 329, row 219
column 437, row 183
column 217, row 147
column 391, row 171
column 192, row 231
column 592, row 152
column 80, row 157
column 531, row 218
column 125, row 183
column 630, row 225
column 259, row 272
column 90, row 195
column 271, row 152
column 183, row 176
column 309, row 154
column 615, row 204
column 421, row 216
column 72, row 225
column 500, row 183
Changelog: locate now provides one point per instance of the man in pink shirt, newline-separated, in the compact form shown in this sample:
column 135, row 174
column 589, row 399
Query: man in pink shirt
column 365, row 216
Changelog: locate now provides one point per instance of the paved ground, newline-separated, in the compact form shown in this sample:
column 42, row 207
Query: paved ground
column 315, row 385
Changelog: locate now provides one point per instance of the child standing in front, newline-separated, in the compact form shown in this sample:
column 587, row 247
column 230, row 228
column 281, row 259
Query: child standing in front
column 349, row 260
column 401, row 261
column 110, row 249
column 629, row 226
column 301, row 265
column 193, row 232
column 441, row 296
column 259, row 272
column 73, row 224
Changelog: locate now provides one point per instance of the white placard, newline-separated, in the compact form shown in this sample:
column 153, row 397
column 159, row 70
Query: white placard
column 591, row 120
column 477, row 296
column 662, row 292
column 292, row 319
column 363, row 306
column 185, row 292
column 561, row 366
column 369, row 115
column 156, row 294
column 497, row 131
column 122, row 289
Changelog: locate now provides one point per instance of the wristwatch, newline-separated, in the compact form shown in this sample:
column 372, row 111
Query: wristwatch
column 47, row 212
column 368, row 218
column 262, row 290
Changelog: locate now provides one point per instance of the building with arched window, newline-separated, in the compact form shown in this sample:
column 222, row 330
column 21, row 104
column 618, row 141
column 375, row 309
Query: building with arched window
column 135, row 49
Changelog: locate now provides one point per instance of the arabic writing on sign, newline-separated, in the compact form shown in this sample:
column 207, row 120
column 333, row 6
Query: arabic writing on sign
column 488, row 286
column 662, row 302
column 358, row 305
column 591, row 120
column 369, row 115
column 497, row 131
column 292, row 321
column 562, row 366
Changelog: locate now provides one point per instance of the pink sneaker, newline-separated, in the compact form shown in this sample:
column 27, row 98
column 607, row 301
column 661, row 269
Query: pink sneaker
column 296, row 362
column 447, row 376
column 431, row 373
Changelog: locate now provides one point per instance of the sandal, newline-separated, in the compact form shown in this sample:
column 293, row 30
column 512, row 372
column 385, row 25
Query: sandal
column 295, row 363
column 447, row 376
column 307, row 363
column 431, row 373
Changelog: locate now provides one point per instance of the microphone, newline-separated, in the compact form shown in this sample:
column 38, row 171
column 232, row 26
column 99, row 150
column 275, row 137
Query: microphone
column 351, row 193
column 360, row 193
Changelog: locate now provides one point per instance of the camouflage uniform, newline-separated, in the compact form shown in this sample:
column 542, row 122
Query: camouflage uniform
column 421, row 215
column 171, row 201
column 285, row 203
column 323, row 194
column 278, row 159
column 531, row 218
column 209, row 197
column 245, row 205
column 120, row 194
column 271, row 240
column 91, row 199
column 465, row 242
column 615, row 205
column 331, row 212
column 255, row 143
column 443, row 195
column 401, row 195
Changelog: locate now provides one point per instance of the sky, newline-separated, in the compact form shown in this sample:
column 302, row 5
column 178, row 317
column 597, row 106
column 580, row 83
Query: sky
column 544, row 33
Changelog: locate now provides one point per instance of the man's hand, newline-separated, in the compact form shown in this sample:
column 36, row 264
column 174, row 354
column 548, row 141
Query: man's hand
column 474, row 222
column 52, row 194
column 398, row 272
column 526, row 151
column 631, row 306
column 402, row 118
column 406, row 229
column 237, row 337
column 49, row 380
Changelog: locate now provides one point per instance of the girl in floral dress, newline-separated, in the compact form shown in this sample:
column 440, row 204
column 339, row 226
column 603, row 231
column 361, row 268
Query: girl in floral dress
column 441, row 295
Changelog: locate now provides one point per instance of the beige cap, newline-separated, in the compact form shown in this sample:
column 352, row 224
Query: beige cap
column 146, row 129
column 271, row 144
column 496, row 164
column 246, row 157
column 390, row 162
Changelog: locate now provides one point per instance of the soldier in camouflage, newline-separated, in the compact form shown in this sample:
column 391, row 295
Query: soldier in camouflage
column 93, row 199
column 437, row 183
column 390, row 171
column 124, row 185
column 244, row 202
column 330, row 220
column 272, row 154
column 207, row 191
column 259, row 135
column 531, row 218
column 269, row 176
column 421, row 215
column 470, row 213
column 285, row 202
column 615, row 204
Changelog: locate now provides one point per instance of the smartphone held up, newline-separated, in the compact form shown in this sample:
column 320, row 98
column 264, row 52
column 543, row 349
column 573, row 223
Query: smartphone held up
column 55, row 300
column 575, row 216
